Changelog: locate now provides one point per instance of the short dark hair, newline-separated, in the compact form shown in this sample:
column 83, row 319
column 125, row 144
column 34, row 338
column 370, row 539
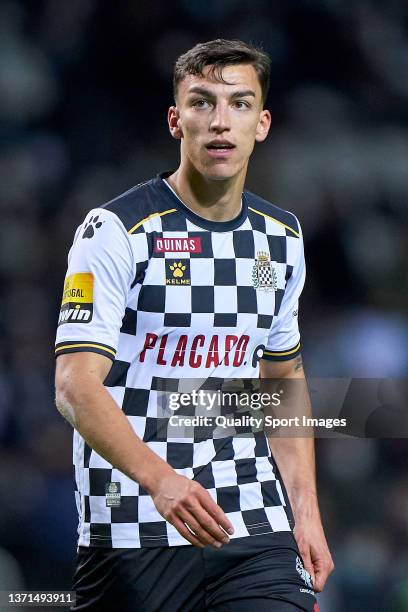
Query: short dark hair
column 218, row 54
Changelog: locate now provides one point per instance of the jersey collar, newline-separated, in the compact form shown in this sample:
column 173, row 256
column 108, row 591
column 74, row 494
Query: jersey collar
column 213, row 226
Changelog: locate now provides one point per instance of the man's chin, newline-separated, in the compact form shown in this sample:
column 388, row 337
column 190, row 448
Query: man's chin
column 219, row 177
column 219, row 172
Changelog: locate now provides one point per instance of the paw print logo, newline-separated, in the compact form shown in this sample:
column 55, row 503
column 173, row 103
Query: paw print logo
column 91, row 226
column 178, row 269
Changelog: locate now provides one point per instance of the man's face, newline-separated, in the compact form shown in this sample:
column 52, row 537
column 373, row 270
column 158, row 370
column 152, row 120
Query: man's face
column 218, row 123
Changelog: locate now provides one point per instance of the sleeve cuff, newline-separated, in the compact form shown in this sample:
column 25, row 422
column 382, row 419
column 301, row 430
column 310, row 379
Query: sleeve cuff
column 78, row 347
column 281, row 355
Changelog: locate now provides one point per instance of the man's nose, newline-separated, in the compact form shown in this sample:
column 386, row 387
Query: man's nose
column 220, row 121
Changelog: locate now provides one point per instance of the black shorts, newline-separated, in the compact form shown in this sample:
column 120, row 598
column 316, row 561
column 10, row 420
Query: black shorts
column 255, row 574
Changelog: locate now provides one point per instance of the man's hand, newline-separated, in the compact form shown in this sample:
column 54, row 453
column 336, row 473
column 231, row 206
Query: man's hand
column 190, row 508
column 314, row 550
column 296, row 462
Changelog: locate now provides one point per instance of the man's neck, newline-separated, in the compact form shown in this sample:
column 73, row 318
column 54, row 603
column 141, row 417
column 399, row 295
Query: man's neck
column 215, row 200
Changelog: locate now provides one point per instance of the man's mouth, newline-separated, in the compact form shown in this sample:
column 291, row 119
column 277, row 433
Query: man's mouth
column 220, row 149
column 220, row 145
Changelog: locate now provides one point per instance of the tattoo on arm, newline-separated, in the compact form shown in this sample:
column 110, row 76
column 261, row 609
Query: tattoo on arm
column 298, row 364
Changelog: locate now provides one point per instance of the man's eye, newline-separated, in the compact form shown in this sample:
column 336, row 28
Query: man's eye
column 200, row 103
column 242, row 104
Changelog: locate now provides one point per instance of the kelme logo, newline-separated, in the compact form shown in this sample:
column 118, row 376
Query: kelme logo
column 178, row 272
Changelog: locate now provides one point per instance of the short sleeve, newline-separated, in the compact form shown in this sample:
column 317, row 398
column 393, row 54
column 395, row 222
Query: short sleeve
column 99, row 276
column 284, row 337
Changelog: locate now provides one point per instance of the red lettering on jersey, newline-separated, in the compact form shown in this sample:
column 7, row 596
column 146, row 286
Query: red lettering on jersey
column 212, row 357
column 230, row 341
column 160, row 356
column 179, row 353
column 195, row 361
column 240, row 351
column 149, row 343
column 178, row 245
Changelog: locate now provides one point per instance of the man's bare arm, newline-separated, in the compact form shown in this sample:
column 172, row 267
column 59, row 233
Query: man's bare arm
column 295, row 456
column 294, row 452
column 83, row 400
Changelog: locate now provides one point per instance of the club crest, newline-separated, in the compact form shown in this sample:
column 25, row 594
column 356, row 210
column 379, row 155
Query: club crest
column 263, row 274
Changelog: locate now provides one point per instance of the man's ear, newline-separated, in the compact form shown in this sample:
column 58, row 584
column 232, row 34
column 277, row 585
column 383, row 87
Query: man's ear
column 263, row 126
column 173, row 119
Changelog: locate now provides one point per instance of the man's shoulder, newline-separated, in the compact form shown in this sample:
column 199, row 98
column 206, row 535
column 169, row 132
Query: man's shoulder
column 259, row 206
column 136, row 205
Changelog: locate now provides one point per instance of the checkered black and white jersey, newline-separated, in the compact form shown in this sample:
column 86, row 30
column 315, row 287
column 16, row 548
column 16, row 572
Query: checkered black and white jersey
column 168, row 295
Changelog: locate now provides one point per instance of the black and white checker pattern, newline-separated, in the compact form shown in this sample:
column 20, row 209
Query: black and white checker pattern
column 222, row 292
column 239, row 478
column 221, row 301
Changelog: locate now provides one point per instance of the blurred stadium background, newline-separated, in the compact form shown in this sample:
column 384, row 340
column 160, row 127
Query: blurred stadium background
column 84, row 90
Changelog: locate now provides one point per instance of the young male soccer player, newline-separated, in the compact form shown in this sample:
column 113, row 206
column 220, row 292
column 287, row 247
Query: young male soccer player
column 189, row 276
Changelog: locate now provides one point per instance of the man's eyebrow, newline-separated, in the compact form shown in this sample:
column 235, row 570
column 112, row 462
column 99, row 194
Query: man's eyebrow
column 202, row 91
column 243, row 94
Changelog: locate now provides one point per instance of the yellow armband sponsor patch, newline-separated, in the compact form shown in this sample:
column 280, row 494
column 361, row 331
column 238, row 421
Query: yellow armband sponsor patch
column 78, row 288
column 77, row 299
